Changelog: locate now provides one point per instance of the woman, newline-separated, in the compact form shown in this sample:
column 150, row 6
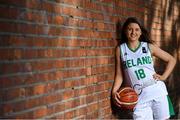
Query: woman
column 134, row 65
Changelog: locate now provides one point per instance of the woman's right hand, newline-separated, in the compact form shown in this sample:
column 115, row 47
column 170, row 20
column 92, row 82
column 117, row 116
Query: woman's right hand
column 116, row 98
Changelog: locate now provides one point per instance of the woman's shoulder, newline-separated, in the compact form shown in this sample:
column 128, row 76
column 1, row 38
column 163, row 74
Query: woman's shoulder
column 117, row 50
column 153, row 47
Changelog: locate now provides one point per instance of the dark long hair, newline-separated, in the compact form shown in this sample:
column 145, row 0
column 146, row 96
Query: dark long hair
column 144, row 36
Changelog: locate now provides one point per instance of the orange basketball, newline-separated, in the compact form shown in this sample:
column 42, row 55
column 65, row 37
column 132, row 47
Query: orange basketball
column 128, row 97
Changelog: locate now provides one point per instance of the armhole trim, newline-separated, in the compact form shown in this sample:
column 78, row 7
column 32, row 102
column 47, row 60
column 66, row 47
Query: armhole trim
column 120, row 50
column 148, row 44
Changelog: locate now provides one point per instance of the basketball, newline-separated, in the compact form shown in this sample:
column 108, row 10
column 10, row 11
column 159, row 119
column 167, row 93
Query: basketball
column 128, row 97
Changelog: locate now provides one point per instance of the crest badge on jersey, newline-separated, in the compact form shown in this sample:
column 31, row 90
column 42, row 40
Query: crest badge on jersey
column 144, row 50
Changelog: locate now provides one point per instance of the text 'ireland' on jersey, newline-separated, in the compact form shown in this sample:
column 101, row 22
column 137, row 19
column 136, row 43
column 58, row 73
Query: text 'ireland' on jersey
column 137, row 64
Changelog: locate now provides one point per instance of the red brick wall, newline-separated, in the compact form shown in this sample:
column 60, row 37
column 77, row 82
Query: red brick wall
column 57, row 56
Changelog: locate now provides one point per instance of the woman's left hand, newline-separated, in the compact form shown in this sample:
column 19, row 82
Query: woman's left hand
column 159, row 77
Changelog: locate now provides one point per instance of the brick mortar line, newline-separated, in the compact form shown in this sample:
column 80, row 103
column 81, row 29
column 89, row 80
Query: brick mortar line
column 64, row 15
column 50, row 36
column 24, row 86
column 72, row 109
column 47, row 71
column 73, row 27
column 31, row 73
column 63, row 47
column 72, row 6
column 53, row 37
column 68, row 110
column 57, row 48
column 52, row 93
column 51, row 81
column 82, row 96
column 24, row 111
column 54, row 3
column 34, row 72
column 63, row 101
column 77, row 117
column 41, row 48
column 79, row 97
column 108, row 115
column 57, row 92
column 113, row 6
column 76, row 7
column 32, row 97
column 53, row 59
column 65, row 38
column 13, row 6
column 107, row 4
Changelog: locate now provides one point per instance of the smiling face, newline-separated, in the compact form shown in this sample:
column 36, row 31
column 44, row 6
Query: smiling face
column 133, row 32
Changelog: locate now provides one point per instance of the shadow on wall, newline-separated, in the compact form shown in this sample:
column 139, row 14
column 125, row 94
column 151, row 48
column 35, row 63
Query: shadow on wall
column 168, row 42
column 172, row 47
column 169, row 36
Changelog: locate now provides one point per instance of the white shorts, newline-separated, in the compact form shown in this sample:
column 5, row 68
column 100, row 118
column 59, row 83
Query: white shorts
column 157, row 108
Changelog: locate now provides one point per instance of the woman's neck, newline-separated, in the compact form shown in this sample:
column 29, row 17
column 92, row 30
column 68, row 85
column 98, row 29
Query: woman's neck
column 134, row 44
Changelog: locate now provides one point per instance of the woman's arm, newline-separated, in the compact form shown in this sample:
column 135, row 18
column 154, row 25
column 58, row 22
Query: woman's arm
column 118, row 76
column 118, row 79
column 171, row 61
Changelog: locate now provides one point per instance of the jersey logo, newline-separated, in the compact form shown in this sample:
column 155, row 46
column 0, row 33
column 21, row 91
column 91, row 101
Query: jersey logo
column 138, row 88
column 144, row 50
